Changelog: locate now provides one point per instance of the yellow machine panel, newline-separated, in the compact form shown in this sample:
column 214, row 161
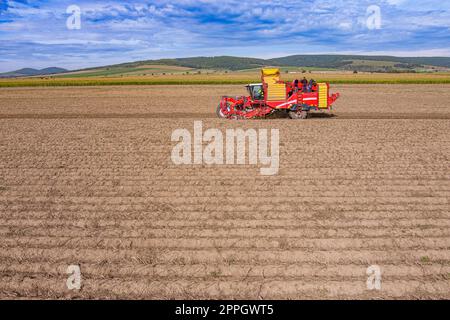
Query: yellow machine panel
column 270, row 72
column 270, row 76
column 276, row 92
column 323, row 96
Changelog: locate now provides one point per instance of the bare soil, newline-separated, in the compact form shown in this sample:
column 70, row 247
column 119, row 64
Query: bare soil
column 86, row 179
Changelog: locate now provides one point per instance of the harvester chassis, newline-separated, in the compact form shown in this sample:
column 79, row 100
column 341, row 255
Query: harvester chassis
column 276, row 96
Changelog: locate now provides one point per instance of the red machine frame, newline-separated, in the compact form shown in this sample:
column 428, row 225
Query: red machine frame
column 297, row 102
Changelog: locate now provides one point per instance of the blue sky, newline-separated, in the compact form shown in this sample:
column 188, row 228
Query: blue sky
column 34, row 33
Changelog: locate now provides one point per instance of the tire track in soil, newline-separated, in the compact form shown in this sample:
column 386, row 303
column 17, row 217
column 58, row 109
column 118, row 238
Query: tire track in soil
column 334, row 116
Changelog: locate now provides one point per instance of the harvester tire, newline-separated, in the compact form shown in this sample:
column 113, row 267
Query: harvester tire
column 298, row 115
column 220, row 113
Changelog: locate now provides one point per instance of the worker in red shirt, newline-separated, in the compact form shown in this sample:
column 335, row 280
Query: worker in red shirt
column 314, row 86
column 294, row 87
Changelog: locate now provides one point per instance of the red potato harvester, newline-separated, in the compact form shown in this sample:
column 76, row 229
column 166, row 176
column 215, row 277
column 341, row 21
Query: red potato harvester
column 274, row 95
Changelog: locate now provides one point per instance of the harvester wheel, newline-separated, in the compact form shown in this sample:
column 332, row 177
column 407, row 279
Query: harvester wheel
column 219, row 112
column 300, row 115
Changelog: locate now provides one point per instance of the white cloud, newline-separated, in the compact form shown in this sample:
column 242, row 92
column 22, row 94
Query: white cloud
column 115, row 30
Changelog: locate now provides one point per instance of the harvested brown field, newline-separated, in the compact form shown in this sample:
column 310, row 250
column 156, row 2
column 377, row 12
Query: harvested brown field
column 86, row 179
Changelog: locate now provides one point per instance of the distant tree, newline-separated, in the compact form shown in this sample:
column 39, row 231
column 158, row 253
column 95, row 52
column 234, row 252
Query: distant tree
column 355, row 72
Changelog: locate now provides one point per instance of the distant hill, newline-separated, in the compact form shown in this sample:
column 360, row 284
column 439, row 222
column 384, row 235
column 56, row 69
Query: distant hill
column 347, row 61
column 360, row 63
column 28, row 72
column 223, row 62
column 338, row 62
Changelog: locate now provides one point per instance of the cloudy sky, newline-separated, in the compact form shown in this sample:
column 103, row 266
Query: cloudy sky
column 35, row 33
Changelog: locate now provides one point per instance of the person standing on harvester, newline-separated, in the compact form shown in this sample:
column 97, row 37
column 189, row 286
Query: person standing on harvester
column 304, row 83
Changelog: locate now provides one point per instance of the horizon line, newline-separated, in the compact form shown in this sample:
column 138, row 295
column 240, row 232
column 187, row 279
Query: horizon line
column 232, row 56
